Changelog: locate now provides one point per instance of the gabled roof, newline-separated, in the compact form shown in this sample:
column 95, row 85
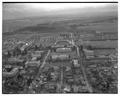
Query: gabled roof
column 32, row 63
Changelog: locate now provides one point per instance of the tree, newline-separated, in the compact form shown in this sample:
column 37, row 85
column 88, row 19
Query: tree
column 36, row 47
column 9, row 54
column 17, row 51
column 40, row 46
column 89, row 47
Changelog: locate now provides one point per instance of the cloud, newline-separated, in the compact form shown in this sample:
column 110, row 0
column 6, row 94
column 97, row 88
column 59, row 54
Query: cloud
column 22, row 10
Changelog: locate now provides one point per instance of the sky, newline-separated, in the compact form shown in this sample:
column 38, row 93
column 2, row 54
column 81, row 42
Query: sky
column 21, row 10
column 60, row 6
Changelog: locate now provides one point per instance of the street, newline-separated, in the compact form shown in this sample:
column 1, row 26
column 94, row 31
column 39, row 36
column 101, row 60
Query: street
column 80, row 55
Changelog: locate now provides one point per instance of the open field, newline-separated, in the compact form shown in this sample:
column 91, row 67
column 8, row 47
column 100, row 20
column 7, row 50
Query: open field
column 103, row 27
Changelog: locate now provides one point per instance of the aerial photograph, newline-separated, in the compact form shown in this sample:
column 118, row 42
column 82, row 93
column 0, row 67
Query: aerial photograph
column 59, row 48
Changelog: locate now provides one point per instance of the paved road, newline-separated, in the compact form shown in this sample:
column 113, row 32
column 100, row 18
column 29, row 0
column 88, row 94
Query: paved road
column 79, row 55
column 61, row 78
column 81, row 62
column 83, row 70
column 73, row 43
column 44, row 62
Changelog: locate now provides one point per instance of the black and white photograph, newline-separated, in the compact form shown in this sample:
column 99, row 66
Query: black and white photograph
column 59, row 48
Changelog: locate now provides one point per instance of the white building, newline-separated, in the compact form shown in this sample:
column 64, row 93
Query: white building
column 60, row 57
column 63, row 49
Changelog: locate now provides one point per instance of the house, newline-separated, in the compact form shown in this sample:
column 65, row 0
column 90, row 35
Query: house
column 32, row 64
column 37, row 53
column 75, row 62
column 88, row 53
column 16, row 61
column 12, row 73
column 32, row 67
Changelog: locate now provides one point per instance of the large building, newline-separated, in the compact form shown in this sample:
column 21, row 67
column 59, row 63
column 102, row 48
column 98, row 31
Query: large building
column 60, row 57
column 62, row 44
column 65, row 49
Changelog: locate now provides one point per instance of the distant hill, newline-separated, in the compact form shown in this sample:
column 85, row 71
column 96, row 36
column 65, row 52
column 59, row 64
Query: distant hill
column 58, row 20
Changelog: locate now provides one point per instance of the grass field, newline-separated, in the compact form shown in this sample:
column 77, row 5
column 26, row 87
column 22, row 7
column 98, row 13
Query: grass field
column 103, row 27
column 100, row 44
